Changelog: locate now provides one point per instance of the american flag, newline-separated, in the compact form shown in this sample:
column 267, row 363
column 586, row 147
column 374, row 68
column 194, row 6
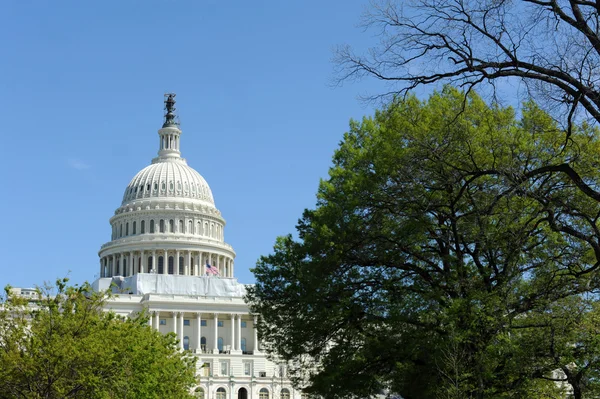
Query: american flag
column 211, row 269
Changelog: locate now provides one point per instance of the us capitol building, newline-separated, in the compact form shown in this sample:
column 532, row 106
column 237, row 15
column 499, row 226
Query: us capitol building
column 168, row 255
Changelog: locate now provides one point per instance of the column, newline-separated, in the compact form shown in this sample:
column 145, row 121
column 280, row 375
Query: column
column 175, row 324
column 101, row 268
column 150, row 318
column 232, row 342
column 130, row 267
column 197, row 265
column 176, row 263
column 166, row 261
column 153, row 262
column 114, row 265
column 142, row 262
column 256, row 350
column 238, row 344
column 188, row 271
column 216, row 333
column 180, row 330
column 156, row 321
column 198, row 332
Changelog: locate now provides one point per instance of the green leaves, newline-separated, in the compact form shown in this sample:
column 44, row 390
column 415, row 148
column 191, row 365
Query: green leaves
column 64, row 345
column 442, row 222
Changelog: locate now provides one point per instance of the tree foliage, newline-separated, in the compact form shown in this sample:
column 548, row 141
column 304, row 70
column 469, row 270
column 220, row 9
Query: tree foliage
column 552, row 46
column 64, row 345
column 441, row 244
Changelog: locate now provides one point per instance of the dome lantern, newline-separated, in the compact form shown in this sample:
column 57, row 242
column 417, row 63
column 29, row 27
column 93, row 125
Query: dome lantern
column 170, row 132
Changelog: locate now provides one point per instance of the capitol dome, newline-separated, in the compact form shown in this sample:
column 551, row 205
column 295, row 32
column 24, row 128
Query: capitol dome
column 168, row 179
column 167, row 222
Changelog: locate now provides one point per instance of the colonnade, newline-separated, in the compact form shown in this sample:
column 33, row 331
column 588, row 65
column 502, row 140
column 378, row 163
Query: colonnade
column 166, row 261
column 235, row 339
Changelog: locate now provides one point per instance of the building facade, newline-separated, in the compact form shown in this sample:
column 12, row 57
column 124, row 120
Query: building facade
column 168, row 256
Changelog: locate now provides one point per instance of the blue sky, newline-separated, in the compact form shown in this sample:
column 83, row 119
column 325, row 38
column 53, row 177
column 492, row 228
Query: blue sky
column 82, row 90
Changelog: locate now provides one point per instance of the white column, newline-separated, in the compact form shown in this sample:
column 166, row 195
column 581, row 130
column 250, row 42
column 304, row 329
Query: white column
column 176, row 263
column 175, row 323
column 150, row 318
column 114, row 265
column 188, row 271
column 198, row 332
column 156, row 321
column 130, row 265
column 238, row 344
column 232, row 342
column 180, row 330
column 197, row 265
column 216, row 335
column 166, row 263
column 256, row 350
column 142, row 262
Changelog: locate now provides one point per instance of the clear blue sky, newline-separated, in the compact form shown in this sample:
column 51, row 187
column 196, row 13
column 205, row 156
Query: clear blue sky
column 82, row 86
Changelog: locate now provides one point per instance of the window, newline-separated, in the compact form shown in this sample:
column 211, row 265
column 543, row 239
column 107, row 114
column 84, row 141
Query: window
column 181, row 226
column 124, row 267
column 186, row 322
column 285, row 394
column 206, row 369
column 155, row 186
column 127, row 228
column 186, row 343
column 199, row 393
column 244, row 324
column 220, row 323
column 221, row 394
column 247, row 368
column 161, row 265
column 224, row 368
column 243, row 344
column 149, row 263
column 220, row 344
column 203, row 343
column 190, row 227
column 163, row 322
column 203, row 323
column 161, row 226
column 143, row 227
column 170, row 265
column 263, row 393
column 181, row 265
column 134, row 225
column 152, row 226
column 305, row 396
column 121, row 231
column 171, row 224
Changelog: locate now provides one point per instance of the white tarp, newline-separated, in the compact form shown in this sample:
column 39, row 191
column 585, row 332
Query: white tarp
column 143, row 283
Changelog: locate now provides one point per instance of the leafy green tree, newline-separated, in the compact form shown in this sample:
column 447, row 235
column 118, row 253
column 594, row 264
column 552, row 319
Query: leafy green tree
column 64, row 345
column 442, row 227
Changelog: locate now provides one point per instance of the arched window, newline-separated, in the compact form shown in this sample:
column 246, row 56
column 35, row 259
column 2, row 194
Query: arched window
column 143, row 227
column 186, row 345
column 243, row 344
column 203, row 344
column 170, row 265
column 190, row 227
column 161, row 226
column 149, row 263
column 181, row 265
column 199, row 392
column 221, row 394
column 263, row 393
column 127, row 228
column 199, row 229
column 171, row 226
column 181, row 227
column 161, row 265
column 152, row 226
column 121, row 230
column 285, row 394
column 220, row 344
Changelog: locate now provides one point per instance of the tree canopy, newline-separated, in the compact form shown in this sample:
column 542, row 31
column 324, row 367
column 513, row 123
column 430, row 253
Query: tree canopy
column 64, row 345
column 448, row 247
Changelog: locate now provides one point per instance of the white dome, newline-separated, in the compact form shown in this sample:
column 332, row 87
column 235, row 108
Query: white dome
column 168, row 179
